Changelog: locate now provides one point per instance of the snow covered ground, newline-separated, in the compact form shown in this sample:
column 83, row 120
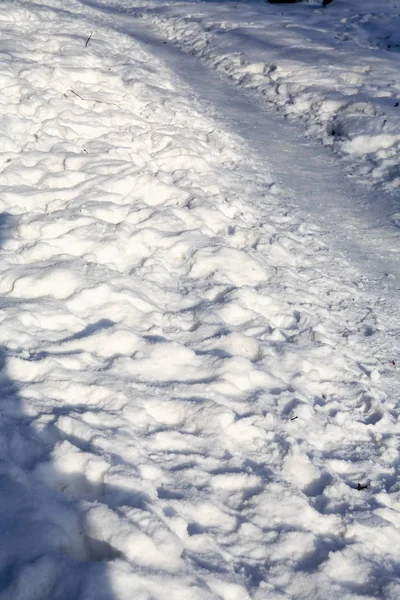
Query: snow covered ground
column 336, row 69
column 199, row 310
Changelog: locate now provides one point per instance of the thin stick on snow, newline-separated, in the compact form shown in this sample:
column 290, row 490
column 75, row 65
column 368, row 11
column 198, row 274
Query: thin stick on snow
column 88, row 40
column 85, row 99
column 94, row 100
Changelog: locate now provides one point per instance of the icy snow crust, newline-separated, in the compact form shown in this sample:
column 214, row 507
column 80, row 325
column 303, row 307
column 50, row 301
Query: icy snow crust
column 194, row 382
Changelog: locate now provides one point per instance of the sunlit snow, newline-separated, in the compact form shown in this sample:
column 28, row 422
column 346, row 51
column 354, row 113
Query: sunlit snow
column 199, row 300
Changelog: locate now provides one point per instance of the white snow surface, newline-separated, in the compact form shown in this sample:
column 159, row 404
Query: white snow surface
column 335, row 69
column 199, row 308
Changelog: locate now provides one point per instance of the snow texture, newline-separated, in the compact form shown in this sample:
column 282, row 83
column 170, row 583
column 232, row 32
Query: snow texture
column 336, row 68
column 199, row 352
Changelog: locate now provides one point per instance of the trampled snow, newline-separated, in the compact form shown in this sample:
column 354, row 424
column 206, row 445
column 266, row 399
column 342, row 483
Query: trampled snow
column 199, row 309
column 335, row 69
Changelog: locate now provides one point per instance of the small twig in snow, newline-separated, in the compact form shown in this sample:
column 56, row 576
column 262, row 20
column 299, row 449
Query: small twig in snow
column 88, row 40
column 79, row 96
column 94, row 100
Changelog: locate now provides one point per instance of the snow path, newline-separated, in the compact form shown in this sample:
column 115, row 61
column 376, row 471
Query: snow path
column 334, row 71
column 357, row 221
column 194, row 382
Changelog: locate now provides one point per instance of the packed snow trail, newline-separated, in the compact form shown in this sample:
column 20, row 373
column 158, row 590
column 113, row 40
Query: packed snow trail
column 334, row 71
column 359, row 221
column 194, row 383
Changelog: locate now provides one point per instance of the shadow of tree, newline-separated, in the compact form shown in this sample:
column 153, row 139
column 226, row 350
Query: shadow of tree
column 45, row 553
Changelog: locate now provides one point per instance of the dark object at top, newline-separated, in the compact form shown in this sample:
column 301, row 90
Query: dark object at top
column 326, row 2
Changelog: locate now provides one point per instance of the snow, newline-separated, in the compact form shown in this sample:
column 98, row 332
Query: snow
column 199, row 336
column 333, row 68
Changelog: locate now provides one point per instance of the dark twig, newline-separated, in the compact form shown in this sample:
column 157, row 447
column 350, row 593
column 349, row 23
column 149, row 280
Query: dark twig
column 94, row 100
column 88, row 40
column 85, row 99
